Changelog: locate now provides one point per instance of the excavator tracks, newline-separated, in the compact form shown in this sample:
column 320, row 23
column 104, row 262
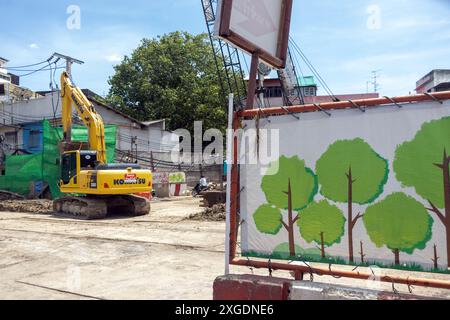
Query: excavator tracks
column 93, row 208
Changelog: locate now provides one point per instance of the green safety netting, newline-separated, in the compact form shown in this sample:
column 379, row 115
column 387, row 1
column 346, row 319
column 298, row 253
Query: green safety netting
column 21, row 172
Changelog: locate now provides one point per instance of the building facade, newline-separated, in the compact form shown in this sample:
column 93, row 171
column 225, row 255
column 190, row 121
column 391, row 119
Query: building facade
column 308, row 88
column 435, row 81
column 21, row 129
column 10, row 89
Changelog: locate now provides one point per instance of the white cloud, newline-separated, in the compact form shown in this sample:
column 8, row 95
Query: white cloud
column 114, row 58
column 393, row 59
column 34, row 46
column 417, row 22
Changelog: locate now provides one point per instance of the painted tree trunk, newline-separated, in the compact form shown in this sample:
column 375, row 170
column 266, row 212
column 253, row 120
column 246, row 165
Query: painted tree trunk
column 322, row 242
column 362, row 252
column 290, row 222
column 350, row 215
column 445, row 217
column 397, row 256
column 436, row 258
column 446, row 171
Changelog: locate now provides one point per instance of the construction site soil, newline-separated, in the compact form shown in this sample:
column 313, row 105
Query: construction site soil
column 216, row 213
column 164, row 255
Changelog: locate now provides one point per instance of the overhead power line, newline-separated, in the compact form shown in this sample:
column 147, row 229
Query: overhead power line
column 313, row 69
column 35, row 71
column 32, row 70
column 30, row 65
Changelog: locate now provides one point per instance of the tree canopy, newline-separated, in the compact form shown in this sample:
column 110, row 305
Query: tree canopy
column 322, row 218
column 288, row 185
column 415, row 160
column 170, row 77
column 303, row 183
column 399, row 222
column 268, row 219
column 369, row 170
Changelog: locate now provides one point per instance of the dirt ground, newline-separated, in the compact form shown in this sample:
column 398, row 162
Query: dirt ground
column 161, row 256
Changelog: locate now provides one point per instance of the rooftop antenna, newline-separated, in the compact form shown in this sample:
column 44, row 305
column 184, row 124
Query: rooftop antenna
column 375, row 77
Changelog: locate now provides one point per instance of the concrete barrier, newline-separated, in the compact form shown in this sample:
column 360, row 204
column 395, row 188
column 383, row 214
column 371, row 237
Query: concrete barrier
column 251, row 287
column 303, row 290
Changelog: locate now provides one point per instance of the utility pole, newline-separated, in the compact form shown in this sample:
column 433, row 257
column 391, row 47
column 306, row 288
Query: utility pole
column 69, row 61
column 134, row 148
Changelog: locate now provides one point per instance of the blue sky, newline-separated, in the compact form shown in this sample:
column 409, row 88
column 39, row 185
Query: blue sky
column 410, row 38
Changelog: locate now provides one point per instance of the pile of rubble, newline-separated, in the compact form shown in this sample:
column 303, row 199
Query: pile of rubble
column 41, row 206
column 6, row 195
column 216, row 213
column 12, row 202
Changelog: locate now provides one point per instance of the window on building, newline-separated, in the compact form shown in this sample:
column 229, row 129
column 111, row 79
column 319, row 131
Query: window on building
column 34, row 139
column 11, row 139
column 274, row 92
column 309, row 91
column 2, row 89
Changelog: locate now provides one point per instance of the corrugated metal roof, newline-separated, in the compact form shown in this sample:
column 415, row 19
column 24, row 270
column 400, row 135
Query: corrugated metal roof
column 92, row 96
column 149, row 123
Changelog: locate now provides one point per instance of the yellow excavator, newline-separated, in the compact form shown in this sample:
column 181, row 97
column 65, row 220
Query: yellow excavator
column 93, row 187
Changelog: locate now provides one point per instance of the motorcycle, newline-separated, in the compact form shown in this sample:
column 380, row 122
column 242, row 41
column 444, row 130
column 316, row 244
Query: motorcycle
column 198, row 190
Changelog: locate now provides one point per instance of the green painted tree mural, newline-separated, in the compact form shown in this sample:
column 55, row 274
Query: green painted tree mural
column 282, row 252
column 400, row 223
column 423, row 164
column 323, row 224
column 288, row 185
column 350, row 171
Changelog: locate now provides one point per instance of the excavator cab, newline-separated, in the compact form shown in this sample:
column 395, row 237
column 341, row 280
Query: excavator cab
column 68, row 167
column 86, row 160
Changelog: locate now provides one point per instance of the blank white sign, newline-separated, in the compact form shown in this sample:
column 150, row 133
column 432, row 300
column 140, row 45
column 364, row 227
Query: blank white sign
column 258, row 21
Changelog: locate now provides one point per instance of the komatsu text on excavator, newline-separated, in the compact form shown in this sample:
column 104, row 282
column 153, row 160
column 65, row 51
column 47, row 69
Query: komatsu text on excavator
column 93, row 187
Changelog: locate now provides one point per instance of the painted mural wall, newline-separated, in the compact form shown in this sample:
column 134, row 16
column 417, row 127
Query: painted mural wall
column 355, row 188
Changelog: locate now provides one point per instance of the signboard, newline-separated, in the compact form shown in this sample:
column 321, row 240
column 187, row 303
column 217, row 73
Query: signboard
column 257, row 26
column 358, row 189
column 177, row 178
column 166, row 178
column 160, row 177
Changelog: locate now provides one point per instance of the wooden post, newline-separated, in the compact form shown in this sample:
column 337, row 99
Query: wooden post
column 252, row 81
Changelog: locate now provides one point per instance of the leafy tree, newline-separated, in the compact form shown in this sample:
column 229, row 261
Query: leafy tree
column 323, row 224
column 289, row 185
column 350, row 171
column 423, row 164
column 400, row 223
column 171, row 77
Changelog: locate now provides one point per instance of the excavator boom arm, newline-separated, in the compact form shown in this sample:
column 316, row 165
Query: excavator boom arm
column 73, row 96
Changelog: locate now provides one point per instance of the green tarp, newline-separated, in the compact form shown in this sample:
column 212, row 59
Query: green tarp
column 22, row 171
